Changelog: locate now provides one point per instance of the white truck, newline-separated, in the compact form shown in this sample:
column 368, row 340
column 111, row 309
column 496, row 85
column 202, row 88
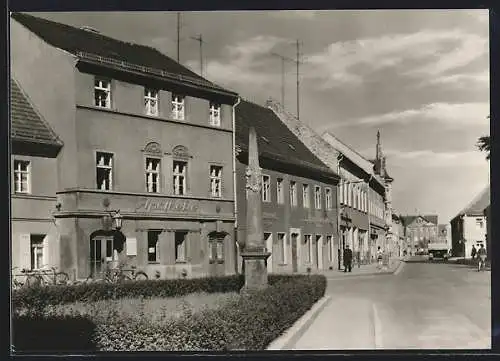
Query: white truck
column 438, row 250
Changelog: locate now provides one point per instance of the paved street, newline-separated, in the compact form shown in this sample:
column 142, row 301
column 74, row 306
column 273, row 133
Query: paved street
column 426, row 305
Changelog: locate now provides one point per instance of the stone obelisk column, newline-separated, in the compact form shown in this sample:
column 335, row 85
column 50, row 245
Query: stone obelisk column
column 254, row 252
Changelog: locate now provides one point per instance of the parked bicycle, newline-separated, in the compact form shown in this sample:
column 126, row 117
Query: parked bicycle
column 45, row 276
column 121, row 274
column 16, row 278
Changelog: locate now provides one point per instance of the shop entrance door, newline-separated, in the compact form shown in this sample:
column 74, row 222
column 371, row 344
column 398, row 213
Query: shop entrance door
column 103, row 255
column 216, row 256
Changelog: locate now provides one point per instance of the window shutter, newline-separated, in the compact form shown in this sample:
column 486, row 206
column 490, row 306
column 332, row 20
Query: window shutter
column 45, row 255
column 131, row 246
column 25, row 251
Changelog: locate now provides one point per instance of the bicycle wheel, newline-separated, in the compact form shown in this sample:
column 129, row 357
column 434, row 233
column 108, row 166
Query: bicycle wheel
column 141, row 276
column 61, row 278
column 33, row 281
column 122, row 278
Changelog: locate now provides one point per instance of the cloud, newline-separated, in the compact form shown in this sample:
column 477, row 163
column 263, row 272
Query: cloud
column 244, row 62
column 339, row 63
column 432, row 159
column 462, row 80
column 458, row 114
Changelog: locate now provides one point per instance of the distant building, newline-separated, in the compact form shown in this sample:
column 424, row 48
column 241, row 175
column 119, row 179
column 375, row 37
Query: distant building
column 398, row 232
column 487, row 214
column 420, row 230
column 469, row 227
column 299, row 198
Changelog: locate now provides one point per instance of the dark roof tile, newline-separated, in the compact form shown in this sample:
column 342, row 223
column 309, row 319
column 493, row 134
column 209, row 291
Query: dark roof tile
column 26, row 122
column 282, row 144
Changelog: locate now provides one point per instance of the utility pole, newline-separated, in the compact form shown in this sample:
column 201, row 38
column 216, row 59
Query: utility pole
column 178, row 37
column 200, row 40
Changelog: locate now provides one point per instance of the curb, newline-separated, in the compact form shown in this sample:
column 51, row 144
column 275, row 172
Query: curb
column 292, row 335
column 381, row 273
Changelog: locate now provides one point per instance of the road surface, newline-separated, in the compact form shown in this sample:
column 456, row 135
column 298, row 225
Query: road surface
column 425, row 306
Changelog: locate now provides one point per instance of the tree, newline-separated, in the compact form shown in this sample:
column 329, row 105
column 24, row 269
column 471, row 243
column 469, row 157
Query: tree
column 484, row 144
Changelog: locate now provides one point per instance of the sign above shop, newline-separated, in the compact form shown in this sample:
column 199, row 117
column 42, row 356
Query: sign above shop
column 168, row 205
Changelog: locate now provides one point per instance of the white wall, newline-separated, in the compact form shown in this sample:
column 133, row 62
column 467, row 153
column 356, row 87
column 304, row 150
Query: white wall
column 473, row 233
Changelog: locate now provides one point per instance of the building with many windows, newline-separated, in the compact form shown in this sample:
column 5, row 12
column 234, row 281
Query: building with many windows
column 469, row 226
column 138, row 180
column 299, row 201
column 360, row 193
column 420, row 230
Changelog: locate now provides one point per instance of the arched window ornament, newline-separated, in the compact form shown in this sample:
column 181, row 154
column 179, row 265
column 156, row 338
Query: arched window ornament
column 181, row 151
column 153, row 148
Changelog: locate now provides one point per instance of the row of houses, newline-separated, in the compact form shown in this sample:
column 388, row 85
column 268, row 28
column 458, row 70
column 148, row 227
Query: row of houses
column 121, row 154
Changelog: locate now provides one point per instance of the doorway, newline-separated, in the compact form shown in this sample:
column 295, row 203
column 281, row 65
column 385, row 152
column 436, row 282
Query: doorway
column 294, row 237
column 103, row 255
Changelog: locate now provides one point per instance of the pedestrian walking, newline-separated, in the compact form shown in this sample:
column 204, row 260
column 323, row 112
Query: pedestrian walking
column 347, row 259
column 481, row 254
column 473, row 252
column 380, row 257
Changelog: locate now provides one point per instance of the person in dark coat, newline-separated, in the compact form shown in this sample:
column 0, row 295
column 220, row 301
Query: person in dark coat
column 473, row 252
column 347, row 259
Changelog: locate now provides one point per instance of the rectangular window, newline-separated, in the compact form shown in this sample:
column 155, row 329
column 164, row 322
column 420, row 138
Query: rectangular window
column 479, row 222
column 37, row 250
column 102, row 93
column 152, row 175
column 266, row 184
column 317, row 197
column 180, row 169
column 178, row 107
column 293, row 193
column 22, row 178
column 341, row 192
column 282, row 248
column 180, row 246
column 104, row 171
column 153, row 246
column 308, row 244
column 329, row 242
column 216, row 181
column 220, row 250
column 151, row 101
column 280, row 196
column 214, row 114
column 328, row 198
column 305, row 196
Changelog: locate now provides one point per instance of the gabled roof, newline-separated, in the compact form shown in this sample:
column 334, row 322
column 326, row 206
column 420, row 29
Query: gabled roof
column 94, row 45
column 433, row 218
column 407, row 220
column 478, row 204
column 275, row 141
column 27, row 125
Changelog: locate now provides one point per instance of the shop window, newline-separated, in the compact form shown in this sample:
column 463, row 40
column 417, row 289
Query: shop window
column 282, row 248
column 328, row 198
column 215, row 181
column 102, row 92
column 180, row 246
column 153, row 175
column 178, row 106
column 180, row 170
column 37, row 251
column 293, row 193
column 305, row 196
column 317, row 197
column 280, row 196
column 151, row 101
column 266, row 185
column 22, row 178
column 214, row 114
column 154, row 246
column 104, row 171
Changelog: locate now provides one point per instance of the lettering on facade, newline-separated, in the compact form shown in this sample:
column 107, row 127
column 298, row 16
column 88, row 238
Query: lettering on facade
column 271, row 216
column 318, row 221
column 168, row 205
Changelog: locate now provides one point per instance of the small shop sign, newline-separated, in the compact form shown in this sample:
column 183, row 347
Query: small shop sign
column 168, row 205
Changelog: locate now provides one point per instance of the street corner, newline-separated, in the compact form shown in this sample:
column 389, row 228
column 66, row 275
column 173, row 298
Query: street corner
column 300, row 327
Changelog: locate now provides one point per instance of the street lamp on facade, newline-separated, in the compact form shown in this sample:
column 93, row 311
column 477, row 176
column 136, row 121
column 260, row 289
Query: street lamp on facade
column 113, row 218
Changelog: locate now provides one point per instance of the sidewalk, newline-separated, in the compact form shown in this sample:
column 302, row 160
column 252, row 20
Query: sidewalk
column 365, row 270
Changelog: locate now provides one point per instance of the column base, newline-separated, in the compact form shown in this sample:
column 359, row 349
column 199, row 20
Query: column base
column 255, row 270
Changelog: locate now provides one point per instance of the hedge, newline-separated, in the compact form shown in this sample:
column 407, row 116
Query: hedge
column 35, row 299
column 249, row 323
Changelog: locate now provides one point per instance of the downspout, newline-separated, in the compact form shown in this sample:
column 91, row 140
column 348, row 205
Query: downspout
column 235, row 189
column 339, row 159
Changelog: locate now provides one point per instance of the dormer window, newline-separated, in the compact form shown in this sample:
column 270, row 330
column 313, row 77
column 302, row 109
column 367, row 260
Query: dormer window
column 151, row 101
column 214, row 114
column 102, row 93
column 177, row 107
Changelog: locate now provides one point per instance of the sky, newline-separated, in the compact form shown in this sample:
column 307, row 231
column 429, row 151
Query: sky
column 420, row 77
